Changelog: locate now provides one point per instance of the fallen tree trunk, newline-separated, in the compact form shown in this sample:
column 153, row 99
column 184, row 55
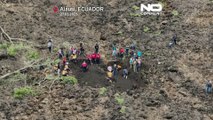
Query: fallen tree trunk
column 9, row 74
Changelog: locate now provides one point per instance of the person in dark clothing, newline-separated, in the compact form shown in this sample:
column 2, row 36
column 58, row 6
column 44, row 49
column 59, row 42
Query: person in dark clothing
column 209, row 87
column 127, row 51
column 125, row 73
column 174, row 39
column 81, row 49
column 96, row 48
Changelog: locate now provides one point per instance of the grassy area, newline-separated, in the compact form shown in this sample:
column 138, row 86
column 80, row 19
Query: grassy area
column 32, row 54
column 13, row 49
column 22, row 92
column 119, row 99
column 102, row 91
column 3, row 46
column 69, row 80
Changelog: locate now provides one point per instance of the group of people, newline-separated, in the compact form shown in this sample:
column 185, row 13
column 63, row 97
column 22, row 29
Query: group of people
column 134, row 57
column 72, row 54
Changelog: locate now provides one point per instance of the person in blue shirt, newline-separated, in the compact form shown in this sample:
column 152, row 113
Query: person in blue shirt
column 139, row 53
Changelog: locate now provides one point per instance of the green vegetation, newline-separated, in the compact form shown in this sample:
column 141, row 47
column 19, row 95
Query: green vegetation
column 146, row 29
column 123, row 109
column 102, row 91
column 135, row 7
column 175, row 13
column 51, row 77
column 19, row 93
column 70, row 80
column 119, row 99
column 32, row 55
column 13, row 49
column 163, row 4
column 119, row 33
column 3, row 46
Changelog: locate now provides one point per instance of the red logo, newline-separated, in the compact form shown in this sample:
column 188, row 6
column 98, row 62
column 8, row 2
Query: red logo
column 55, row 9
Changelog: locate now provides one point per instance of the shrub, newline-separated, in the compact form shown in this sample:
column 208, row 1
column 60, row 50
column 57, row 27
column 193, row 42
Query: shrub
column 32, row 55
column 19, row 93
column 3, row 46
column 14, row 48
column 123, row 109
column 70, row 80
column 146, row 29
column 135, row 7
column 175, row 13
column 119, row 99
column 102, row 91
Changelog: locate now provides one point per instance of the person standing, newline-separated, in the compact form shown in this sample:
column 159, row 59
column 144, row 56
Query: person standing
column 125, row 72
column 49, row 45
column 209, row 87
column 115, row 71
column 96, row 48
column 135, row 66
column 131, row 60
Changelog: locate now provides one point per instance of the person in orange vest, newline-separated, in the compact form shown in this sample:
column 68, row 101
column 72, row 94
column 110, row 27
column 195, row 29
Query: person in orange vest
column 98, row 57
column 84, row 66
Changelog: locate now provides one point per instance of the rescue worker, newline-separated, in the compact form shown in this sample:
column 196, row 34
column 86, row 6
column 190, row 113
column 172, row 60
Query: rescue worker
column 81, row 49
column 109, row 73
column 121, row 52
column 135, row 66
column 89, row 58
column 127, row 51
column 96, row 48
column 60, row 53
column 139, row 62
column 174, row 39
column 98, row 57
column 109, row 76
column 49, row 44
column 66, row 70
column 64, row 60
column 94, row 58
column 114, row 53
column 74, row 58
column 84, row 66
column 131, row 60
column 209, row 87
column 139, row 53
column 115, row 71
column 125, row 72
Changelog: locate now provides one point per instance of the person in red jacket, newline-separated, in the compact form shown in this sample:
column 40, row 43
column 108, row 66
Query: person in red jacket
column 121, row 52
column 93, row 57
column 89, row 58
column 84, row 66
column 64, row 60
column 98, row 57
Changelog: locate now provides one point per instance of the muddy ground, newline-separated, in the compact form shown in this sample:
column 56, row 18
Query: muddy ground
column 170, row 85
